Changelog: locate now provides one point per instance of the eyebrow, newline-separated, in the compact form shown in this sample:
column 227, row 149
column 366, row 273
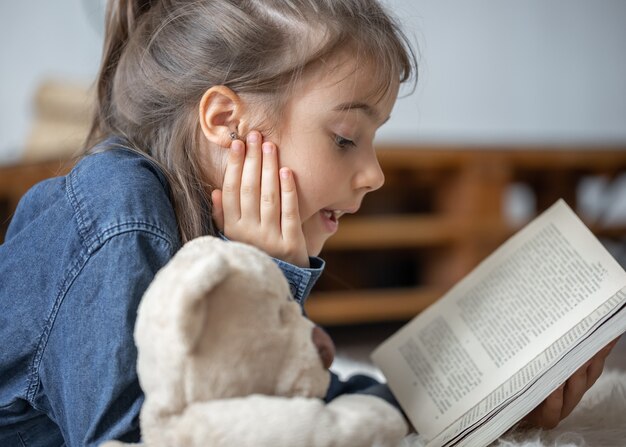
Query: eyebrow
column 366, row 108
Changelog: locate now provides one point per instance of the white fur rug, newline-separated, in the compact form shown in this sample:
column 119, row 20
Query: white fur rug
column 598, row 420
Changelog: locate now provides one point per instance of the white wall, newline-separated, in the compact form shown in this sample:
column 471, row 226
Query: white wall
column 41, row 39
column 490, row 70
column 520, row 71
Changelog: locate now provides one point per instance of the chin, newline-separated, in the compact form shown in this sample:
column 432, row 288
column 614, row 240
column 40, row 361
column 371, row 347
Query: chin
column 314, row 252
column 315, row 248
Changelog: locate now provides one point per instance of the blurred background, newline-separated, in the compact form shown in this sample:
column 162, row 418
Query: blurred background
column 490, row 70
column 518, row 104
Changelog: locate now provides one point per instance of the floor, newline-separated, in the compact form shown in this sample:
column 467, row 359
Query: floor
column 354, row 345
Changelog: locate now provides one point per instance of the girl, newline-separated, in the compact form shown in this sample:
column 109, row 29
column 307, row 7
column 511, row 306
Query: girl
column 180, row 83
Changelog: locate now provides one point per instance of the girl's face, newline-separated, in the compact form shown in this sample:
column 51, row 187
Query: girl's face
column 326, row 139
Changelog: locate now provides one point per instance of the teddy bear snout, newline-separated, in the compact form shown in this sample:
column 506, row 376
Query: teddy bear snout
column 325, row 346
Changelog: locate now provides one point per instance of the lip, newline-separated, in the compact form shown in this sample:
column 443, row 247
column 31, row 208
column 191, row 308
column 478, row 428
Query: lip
column 330, row 223
column 330, row 218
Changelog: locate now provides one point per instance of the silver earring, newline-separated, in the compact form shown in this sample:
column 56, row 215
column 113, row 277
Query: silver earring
column 233, row 135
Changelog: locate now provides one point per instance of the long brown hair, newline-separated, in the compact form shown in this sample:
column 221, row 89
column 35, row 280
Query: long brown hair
column 160, row 56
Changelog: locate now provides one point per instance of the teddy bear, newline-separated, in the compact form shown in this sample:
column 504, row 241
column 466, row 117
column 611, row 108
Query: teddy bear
column 226, row 358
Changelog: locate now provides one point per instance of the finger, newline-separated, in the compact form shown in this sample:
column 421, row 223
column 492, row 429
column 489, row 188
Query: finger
column 289, row 213
column 270, row 188
column 595, row 370
column 575, row 388
column 217, row 211
column 550, row 409
column 608, row 348
column 232, row 183
column 251, row 178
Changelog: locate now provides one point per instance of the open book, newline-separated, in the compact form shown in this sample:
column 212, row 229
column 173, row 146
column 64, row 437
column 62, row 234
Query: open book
column 512, row 331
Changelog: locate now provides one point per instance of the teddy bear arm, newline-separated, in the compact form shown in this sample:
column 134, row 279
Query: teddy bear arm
column 366, row 421
column 284, row 422
column 255, row 420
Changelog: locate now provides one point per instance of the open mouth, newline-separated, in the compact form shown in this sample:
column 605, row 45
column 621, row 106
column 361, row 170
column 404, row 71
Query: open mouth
column 330, row 219
column 333, row 215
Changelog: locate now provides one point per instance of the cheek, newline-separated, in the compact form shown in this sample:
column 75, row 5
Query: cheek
column 318, row 171
column 313, row 191
column 308, row 197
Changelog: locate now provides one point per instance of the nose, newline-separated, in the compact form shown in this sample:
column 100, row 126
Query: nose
column 325, row 346
column 370, row 177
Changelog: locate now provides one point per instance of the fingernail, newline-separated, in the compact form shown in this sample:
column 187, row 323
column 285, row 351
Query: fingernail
column 267, row 148
column 236, row 147
column 284, row 173
column 253, row 137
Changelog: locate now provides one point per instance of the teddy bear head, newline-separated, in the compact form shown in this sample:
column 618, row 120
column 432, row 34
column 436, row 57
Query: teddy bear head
column 217, row 322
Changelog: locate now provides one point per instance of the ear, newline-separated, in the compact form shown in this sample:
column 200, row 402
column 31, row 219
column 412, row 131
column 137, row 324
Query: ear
column 200, row 280
column 220, row 114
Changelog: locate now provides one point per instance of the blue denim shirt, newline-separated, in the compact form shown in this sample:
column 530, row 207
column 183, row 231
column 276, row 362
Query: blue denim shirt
column 78, row 255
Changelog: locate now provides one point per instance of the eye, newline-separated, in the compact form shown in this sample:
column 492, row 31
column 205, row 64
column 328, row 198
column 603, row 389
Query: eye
column 343, row 143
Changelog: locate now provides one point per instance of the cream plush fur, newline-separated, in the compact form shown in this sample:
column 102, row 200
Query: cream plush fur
column 227, row 359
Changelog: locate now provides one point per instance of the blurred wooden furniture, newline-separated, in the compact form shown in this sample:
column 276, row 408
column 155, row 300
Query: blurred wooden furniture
column 16, row 179
column 441, row 211
column 63, row 112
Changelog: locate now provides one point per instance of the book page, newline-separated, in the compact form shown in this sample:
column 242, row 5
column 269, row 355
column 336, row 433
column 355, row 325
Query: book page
column 527, row 375
column 532, row 290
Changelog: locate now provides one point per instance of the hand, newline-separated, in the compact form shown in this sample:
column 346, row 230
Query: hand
column 258, row 206
column 562, row 401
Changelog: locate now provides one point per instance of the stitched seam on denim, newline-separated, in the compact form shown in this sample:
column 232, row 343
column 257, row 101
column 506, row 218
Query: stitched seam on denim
column 299, row 279
column 33, row 373
column 20, row 438
column 78, row 211
column 101, row 236
column 140, row 226
column 303, row 286
column 297, row 283
column 73, row 272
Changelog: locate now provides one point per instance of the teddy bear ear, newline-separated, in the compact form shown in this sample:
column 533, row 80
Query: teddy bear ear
column 200, row 278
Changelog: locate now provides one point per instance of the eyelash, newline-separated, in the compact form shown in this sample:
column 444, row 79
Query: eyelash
column 343, row 143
